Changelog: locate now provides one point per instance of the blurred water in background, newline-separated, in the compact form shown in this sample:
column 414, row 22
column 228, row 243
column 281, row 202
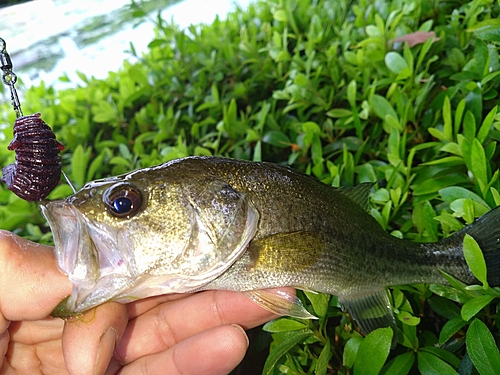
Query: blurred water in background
column 50, row 38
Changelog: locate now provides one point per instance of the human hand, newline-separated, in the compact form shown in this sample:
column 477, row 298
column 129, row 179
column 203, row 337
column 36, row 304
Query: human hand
column 177, row 334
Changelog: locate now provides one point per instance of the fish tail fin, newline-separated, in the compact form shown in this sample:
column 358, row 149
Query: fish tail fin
column 486, row 232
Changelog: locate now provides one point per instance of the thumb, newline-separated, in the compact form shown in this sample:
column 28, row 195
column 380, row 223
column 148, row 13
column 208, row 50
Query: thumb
column 31, row 285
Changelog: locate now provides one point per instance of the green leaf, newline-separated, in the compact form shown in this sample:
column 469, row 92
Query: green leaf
column 373, row 352
column 488, row 22
column 444, row 307
column 474, row 104
column 436, row 184
column 351, row 350
column 401, row 365
column 482, row 348
column 276, row 138
column 351, row 93
column 450, row 328
column 475, row 259
column 452, row 193
column 281, row 349
column 447, row 127
column 468, row 209
column 453, row 294
column 324, row 358
column 382, row 108
column 489, row 33
column 395, row 62
column 479, row 163
column 423, row 217
column 472, row 307
column 445, row 355
column 339, row 113
column 408, row 318
column 486, row 125
column 481, row 57
column 319, row 302
column 429, row 364
column 104, row 112
column 459, row 112
column 301, row 80
column 280, row 15
column 79, row 163
column 138, row 75
column 284, row 325
column 94, row 166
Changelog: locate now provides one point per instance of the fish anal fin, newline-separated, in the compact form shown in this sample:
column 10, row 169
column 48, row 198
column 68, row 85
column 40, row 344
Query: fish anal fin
column 360, row 194
column 370, row 310
column 280, row 302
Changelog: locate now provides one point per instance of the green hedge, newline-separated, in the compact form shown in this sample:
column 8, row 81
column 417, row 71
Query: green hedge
column 328, row 88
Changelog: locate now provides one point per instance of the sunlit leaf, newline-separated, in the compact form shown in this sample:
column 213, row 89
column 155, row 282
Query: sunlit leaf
column 472, row 307
column 475, row 259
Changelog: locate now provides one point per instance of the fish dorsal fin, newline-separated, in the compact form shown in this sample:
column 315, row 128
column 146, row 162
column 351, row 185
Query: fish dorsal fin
column 360, row 194
column 370, row 311
column 279, row 302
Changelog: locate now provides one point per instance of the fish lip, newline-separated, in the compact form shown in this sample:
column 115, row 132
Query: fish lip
column 91, row 264
column 67, row 233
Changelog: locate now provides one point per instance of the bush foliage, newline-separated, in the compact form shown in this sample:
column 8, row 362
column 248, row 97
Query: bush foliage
column 402, row 93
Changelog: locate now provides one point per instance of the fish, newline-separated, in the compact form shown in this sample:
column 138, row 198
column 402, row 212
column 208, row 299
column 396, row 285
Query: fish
column 204, row 223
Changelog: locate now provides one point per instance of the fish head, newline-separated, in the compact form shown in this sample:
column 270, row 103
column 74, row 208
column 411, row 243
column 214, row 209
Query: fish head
column 147, row 233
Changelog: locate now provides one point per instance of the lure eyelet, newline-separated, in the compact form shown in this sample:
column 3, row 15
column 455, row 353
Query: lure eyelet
column 122, row 200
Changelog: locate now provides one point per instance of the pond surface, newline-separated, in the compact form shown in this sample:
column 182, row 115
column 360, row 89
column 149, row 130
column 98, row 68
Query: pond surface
column 50, row 38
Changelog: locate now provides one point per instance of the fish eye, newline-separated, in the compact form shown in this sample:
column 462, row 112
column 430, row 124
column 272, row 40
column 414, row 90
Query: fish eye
column 122, row 200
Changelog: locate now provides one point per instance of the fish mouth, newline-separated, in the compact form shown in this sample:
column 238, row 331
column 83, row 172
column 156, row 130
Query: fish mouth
column 87, row 252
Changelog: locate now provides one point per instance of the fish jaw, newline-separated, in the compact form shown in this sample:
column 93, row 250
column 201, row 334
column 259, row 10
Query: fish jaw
column 88, row 254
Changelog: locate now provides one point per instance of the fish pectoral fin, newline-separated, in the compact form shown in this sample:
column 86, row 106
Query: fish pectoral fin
column 279, row 302
column 370, row 311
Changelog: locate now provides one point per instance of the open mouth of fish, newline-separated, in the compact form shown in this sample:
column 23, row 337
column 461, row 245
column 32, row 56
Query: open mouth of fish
column 88, row 254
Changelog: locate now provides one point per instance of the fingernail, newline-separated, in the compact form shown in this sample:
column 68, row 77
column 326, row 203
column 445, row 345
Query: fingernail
column 239, row 328
column 107, row 344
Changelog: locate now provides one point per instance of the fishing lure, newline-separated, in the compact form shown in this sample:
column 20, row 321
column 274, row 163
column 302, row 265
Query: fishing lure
column 37, row 167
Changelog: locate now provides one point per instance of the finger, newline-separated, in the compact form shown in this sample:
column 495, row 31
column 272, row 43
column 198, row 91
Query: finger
column 34, row 347
column 168, row 324
column 89, row 341
column 4, row 345
column 140, row 307
column 35, row 332
column 213, row 352
column 39, row 285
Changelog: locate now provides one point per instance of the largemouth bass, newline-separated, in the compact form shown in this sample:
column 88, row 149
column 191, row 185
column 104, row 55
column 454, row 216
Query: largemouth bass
column 204, row 223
